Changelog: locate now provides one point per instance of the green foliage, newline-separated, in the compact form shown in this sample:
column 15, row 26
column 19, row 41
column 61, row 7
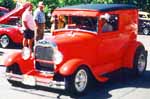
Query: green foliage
column 8, row 4
column 50, row 5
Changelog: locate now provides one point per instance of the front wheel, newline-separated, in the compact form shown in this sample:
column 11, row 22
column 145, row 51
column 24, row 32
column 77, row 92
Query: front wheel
column 15, row 70
column 140, row 61
column 78, row 82
column 5, row 41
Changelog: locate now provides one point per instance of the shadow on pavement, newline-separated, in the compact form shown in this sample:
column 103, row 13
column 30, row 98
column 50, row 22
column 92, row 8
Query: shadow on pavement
column 102, row 91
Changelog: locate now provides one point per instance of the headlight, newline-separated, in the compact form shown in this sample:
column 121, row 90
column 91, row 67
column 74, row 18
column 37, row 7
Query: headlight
column 58, row 57
column 26, row 52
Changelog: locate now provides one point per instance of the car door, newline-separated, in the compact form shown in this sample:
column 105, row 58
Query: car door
column 110, row 48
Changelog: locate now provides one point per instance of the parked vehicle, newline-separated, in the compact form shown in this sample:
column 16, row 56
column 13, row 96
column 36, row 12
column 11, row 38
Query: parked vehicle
column 81, row 51
column 144, row 23
column 13, row 16
column 10, row 36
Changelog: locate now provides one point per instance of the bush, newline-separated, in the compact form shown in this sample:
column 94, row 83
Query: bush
column 10, row 4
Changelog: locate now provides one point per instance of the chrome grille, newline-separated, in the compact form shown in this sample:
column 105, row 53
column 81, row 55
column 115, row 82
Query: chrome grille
column 44, row 53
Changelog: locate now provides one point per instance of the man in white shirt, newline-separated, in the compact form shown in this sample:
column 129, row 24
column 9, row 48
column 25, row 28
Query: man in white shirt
column 28, row 27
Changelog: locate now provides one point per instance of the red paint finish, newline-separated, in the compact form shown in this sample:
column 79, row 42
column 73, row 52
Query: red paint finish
column 15, row 13
column 100, row 52
column 12, row 31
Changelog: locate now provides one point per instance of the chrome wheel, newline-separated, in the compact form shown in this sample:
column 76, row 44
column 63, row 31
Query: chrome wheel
column 81, row 79
column 141, row 63
column 79, row 82
column 4, row 41
column 146, row 31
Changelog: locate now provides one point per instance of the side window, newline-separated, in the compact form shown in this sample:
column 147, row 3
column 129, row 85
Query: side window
column 85, row 23
column 114, row 22
column 142, row 16
column 109, row 22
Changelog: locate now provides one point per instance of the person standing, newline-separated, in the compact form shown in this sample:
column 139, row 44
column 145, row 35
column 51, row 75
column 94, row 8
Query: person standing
column 107, row 27
column 39, row 18
column 28, row 27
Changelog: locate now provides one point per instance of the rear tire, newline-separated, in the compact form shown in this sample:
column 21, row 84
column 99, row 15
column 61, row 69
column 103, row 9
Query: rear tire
column 146, row 31
column 140, row 61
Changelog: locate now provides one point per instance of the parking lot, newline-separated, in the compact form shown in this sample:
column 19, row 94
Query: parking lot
column 121, row 87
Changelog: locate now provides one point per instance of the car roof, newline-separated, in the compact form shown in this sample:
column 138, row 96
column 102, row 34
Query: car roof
column 100, row 7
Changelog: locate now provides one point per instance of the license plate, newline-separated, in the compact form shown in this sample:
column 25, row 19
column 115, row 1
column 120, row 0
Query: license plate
column 29, row 80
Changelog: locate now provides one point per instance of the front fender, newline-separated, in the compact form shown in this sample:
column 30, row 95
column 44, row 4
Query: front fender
column 11, row 58
column 71, row 66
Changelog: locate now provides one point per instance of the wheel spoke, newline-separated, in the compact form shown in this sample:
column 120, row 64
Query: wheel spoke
column 4, row 41
column 141, row 63
column 81, row 80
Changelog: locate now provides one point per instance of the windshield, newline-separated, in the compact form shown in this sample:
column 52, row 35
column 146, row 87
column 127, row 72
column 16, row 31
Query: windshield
column 74, row 22
column 144, row 15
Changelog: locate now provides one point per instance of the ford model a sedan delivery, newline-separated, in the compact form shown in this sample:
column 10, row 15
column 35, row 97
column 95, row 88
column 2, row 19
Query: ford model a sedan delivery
column 95, row 40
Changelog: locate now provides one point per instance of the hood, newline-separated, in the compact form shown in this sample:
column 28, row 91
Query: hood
column 74, row 44
column 17, row 12
column 72, row 37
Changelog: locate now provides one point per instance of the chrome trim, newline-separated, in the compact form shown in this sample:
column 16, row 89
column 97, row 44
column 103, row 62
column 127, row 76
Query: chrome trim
column 39, row 81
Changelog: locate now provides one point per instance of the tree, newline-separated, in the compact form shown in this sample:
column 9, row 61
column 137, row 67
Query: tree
column 10, row 4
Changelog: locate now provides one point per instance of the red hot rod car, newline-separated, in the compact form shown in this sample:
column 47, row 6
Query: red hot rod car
column 81, row 50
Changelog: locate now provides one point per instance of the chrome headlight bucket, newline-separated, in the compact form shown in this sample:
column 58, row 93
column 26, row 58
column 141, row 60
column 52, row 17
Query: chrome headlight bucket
column 48, row 50
column 26, row 53
column 57, row 57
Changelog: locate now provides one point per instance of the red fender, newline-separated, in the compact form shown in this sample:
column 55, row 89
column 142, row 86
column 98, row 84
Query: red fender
column 10, row 57
column 128, row 58
column 71, row 66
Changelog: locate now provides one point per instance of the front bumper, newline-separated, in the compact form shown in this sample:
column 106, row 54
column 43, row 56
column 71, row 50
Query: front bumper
column 36, row 81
